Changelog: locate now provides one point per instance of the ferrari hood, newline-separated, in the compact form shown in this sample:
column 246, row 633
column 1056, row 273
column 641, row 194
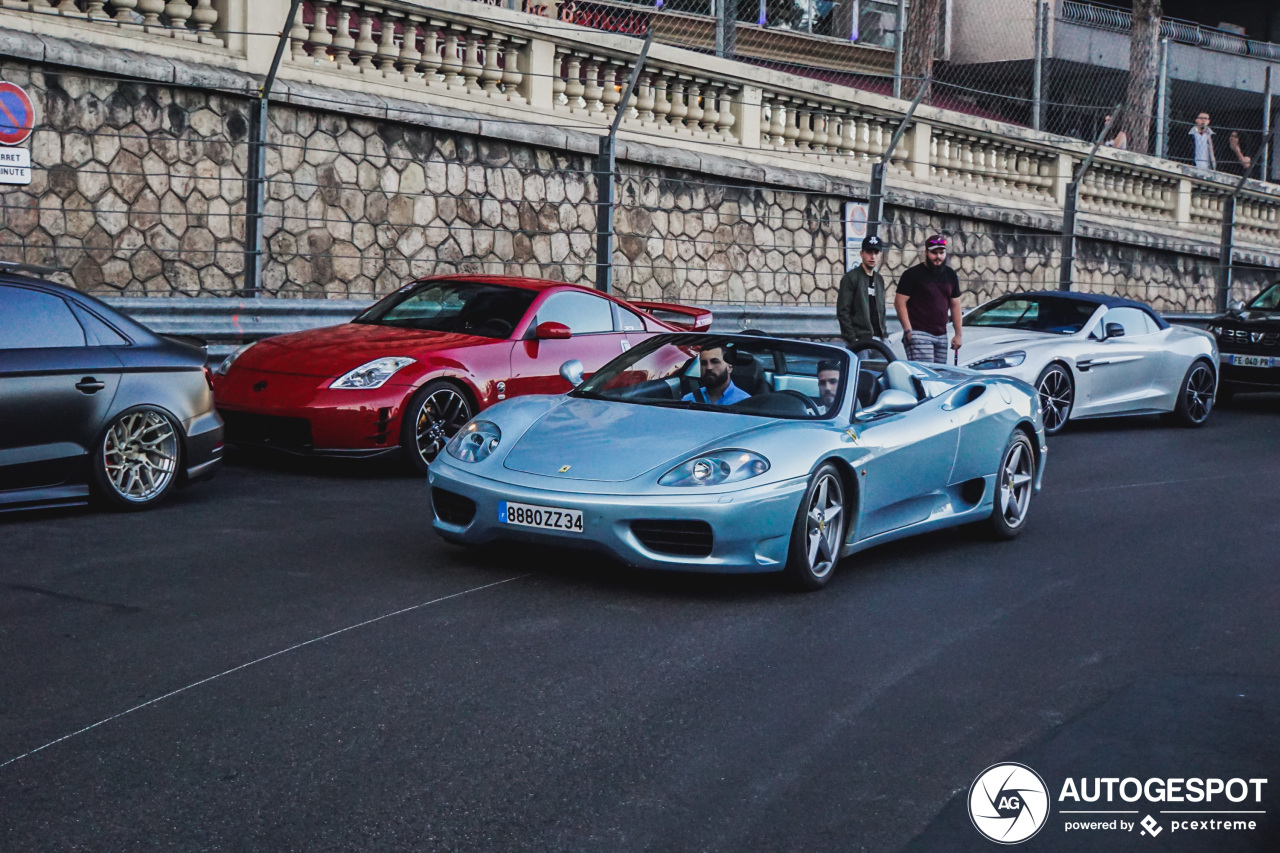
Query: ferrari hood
column 598, row 440
column 334, row 350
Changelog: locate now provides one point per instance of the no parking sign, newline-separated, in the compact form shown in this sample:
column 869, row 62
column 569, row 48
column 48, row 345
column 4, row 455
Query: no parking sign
column 17, row 114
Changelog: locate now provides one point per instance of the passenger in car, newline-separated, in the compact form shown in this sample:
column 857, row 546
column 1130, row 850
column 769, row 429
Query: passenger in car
column 828, row 384
column 715, row 384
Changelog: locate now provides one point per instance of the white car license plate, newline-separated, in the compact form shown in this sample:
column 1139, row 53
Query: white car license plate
column 545, row 517
column 1251, row 360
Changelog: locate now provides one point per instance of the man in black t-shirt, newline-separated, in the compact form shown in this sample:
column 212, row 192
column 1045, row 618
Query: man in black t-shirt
column 926, row 294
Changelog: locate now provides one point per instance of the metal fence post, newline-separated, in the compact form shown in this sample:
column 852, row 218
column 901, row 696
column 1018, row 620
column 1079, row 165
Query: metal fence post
column 875, row 203
column 726, row 27
column 1267, row 93
column 1037, row 79
column 1162, row 101
column 1066, row 269
column 1226, row 250
column 256, row 180
column 604, row 178
column 899, row 26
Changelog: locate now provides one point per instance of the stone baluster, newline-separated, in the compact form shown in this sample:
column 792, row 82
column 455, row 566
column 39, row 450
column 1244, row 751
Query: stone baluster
column 471, row 66
column 591, row 88
column 820, row 134
column 847, row 144
column 151, row 11
column 611, row 96
column 710, row 110
column 431, row 58
column 725, row 116
column 941, row 157
column 178, row 13
column 387, row 52
column 298, row 37
column 320, row 37
column 558, row 80
column 1022, row 176
column 96, row 11
column 205, row 16
column 512, row 76
column 644, row 103
column 693, row 116
column 806, row 114
column 67, row 8
column 451, row 60
column 791, row 133
column 573, row 84
column 343, row 43
column 661, row 101
column 124, row 11
column 365, row 47
column 491, row 73
column 861, row 137
column 777, row 123
column 679, row 109
column 410, row 58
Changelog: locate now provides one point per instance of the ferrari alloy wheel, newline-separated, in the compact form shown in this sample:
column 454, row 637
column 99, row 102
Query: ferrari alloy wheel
column 1057, row 395
column 435, row 413
column 818, row 534
column 1195, row 398
column 137, row 461
column 1015, row 481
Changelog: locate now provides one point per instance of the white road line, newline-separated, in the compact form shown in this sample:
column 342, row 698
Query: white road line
column 1156, row 483
column 260, row 660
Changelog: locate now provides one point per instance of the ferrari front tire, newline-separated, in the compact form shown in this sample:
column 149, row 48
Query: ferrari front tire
column 1195, row 395
column 818, row 533
column 1057, row 395
column 1015, row 483
column 434, row 413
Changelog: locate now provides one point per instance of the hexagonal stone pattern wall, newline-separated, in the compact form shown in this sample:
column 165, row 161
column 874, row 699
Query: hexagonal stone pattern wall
column 139, row 189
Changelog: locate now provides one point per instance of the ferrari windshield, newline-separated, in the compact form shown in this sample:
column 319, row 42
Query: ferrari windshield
column 1058, row 315
column 1267, row 300
column 731, row 373
column 463, row 307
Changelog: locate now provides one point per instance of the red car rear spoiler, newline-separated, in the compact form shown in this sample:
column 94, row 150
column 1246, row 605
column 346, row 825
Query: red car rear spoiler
column 681, row 316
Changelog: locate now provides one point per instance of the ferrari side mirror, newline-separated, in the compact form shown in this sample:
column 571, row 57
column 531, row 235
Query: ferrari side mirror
column 891, row 401
column 571, row 372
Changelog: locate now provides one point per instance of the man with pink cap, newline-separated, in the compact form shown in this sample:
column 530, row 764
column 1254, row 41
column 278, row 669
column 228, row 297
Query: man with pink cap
column 927, row 293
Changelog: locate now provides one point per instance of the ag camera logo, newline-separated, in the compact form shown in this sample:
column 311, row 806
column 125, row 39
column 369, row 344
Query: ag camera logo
column 1008, row 803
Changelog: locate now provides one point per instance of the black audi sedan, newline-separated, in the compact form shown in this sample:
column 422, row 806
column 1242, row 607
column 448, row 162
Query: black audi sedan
column 92, row 404
column 1249, row 345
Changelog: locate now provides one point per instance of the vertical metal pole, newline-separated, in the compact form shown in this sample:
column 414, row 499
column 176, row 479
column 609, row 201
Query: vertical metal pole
column 898, row 38
column 875, row 204
column 256, row 180
column 604, row 178
column 726, row 27
column 1037, row 71
column 1066, row 270
column 1226, row 251
column 1265, row 173
column 1162, row 102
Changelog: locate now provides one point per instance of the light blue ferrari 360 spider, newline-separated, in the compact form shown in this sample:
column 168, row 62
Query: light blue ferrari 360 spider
column 742, row 453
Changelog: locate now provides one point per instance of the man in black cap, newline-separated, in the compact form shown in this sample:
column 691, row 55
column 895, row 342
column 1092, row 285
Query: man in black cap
column 860, row 305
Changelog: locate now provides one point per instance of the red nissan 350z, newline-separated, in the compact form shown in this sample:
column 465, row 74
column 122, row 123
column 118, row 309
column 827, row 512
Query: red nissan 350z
column 411, row 370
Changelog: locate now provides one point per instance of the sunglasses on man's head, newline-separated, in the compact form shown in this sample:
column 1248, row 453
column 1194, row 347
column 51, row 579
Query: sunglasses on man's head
column 939, row 250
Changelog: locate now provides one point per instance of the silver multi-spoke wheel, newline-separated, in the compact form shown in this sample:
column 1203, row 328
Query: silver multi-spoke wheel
column 437, row 411
column 819, row 531
column 1056, row 397
column 140, row 455
column 1199, row 393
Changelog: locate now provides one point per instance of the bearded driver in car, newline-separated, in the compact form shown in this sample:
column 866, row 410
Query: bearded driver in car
column 714, row 384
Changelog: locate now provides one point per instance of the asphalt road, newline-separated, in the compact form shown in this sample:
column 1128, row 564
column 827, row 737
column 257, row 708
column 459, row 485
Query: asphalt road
column 287, row 658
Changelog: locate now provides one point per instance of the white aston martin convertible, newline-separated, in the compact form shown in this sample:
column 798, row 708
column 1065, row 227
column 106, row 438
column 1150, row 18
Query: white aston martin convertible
column 1092, row 356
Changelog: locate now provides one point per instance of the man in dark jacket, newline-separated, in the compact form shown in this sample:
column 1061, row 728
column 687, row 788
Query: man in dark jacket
column 860, row 306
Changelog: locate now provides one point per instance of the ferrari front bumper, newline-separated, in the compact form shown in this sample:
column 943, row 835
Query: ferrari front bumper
column 750, row 529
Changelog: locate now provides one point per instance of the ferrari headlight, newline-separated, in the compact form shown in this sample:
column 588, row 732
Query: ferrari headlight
column 231, row 359
column 716, row 468
column 475, row 441
column 1000, row 362
column 372, row 375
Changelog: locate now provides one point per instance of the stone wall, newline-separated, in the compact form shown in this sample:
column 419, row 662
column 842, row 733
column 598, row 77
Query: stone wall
column 140, row 190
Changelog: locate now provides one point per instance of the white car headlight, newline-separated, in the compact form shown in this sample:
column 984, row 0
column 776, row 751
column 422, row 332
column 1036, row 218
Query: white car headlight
column 372, row 375
column 999, row 362
column 231, row 359
column 475, row 441
column 716, row 468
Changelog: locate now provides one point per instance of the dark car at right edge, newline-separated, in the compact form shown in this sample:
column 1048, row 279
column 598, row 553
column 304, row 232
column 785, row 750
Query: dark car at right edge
column 1249, row 345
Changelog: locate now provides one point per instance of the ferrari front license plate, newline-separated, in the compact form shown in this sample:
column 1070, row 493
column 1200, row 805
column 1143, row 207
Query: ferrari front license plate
column 1251, row 360
column 546, row 517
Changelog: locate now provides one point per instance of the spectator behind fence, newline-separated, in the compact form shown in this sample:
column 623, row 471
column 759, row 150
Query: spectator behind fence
column 1202, row 143
column 926, row 294
column 1120, row 140
column 1245, row 161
